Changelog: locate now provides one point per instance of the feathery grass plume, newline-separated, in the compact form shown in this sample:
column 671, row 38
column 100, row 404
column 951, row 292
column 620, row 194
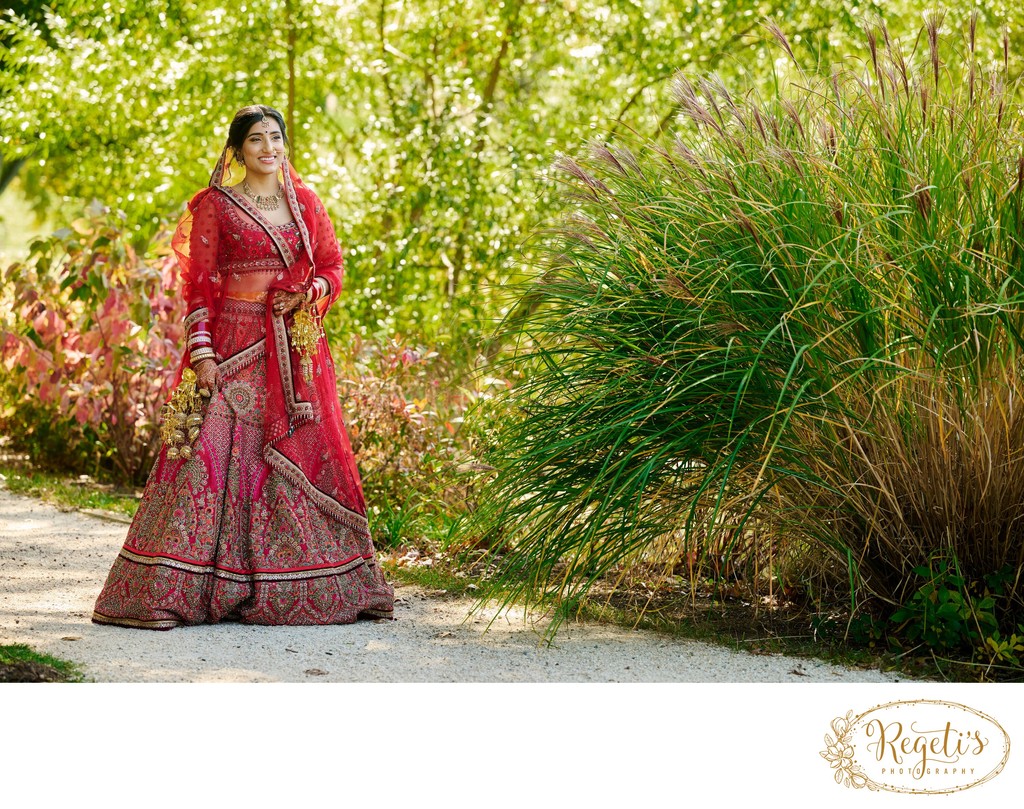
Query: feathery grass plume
column 789, row 346
column 933, row 23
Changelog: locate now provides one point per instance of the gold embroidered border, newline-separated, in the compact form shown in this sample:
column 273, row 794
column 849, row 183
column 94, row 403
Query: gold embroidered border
column 165, row 561
column 247, row 356
column 245, row 307
column 244, row 578
column 300, row 410
column 166, row 623
column 295, row 575
column 297, row 211
column 257, row 266
column 326, row 503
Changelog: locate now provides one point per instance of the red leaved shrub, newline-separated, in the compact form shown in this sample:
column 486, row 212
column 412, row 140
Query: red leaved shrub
column 90, row 338
column 407, row 412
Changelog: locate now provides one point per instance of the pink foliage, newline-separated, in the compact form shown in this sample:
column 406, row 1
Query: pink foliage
column 401, row 422
column 98, row 338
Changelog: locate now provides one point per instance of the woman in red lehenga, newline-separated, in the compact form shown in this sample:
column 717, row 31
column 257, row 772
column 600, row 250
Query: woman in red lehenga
column 260, row 519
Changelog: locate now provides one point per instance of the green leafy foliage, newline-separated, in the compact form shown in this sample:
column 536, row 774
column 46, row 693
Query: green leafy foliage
column 1006, row 651
column 942, row 614
column 428, row 126
column 406, row 414
column 946, row 618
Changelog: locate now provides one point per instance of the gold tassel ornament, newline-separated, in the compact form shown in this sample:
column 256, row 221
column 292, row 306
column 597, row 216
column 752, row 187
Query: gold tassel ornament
column 305, row 333
column 181, row 416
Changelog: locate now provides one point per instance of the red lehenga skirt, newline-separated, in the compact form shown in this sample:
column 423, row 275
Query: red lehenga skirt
column 223, row 536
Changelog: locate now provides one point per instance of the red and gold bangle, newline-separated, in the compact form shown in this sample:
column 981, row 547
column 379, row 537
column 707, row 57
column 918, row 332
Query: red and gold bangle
column 200, row 354
column 200, row 341
column 318, row 289
column 197, row 317
column 196, row 340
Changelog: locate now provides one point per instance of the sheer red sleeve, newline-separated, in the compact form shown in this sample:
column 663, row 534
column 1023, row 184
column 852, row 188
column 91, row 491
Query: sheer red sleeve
column 328, row 261
column 200, row 270
column 195, row 245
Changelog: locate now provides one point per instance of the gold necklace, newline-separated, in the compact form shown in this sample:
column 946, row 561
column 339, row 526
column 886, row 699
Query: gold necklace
column 270, row 202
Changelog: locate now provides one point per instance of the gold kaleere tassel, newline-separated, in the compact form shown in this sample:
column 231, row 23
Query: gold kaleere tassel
column 181, row 416
column 305, row 332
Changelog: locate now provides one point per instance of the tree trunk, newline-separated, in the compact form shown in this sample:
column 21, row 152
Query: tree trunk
column 9, row 170
column 486, row 104
column 289, row 11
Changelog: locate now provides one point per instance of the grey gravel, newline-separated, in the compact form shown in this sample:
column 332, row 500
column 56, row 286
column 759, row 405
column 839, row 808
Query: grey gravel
column 53, row 564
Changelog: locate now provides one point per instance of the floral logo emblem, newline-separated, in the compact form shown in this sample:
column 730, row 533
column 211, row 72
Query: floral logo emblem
column 919, row 746
column 839, row 753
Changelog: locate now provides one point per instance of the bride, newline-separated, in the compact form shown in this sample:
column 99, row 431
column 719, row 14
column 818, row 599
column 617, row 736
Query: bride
column 256, row 515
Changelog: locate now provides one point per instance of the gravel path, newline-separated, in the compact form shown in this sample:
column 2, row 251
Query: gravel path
column 53, row 564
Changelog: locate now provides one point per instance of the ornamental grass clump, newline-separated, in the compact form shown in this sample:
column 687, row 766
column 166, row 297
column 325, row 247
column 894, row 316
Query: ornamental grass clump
column 785, row 346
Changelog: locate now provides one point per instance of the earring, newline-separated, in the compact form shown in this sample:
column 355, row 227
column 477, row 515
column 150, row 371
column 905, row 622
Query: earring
column 239, row 159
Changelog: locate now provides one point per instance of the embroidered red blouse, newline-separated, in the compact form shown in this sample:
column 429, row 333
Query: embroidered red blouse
column 223, row 235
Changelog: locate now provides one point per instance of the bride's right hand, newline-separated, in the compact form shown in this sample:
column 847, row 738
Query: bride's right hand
column 207, row 376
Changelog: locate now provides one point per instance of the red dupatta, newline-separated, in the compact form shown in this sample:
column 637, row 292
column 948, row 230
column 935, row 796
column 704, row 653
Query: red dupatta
column 303, row 434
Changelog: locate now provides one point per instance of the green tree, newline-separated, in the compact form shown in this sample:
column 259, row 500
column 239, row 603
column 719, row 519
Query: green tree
column 429, row 126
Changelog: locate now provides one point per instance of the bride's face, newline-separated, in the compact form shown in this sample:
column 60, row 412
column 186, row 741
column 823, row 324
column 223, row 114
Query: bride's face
column 263, row 147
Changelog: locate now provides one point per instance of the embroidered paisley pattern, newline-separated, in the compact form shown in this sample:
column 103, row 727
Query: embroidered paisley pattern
column 249, row 249
column 225, row 535
column 241, row 398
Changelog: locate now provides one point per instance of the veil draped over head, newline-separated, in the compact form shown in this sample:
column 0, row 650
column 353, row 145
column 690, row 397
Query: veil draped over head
column 303, row 434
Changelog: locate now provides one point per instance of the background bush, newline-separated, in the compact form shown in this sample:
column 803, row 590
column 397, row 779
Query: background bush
column 427, row 126
column 91, row 337
column 406, row 412
column 786, row 347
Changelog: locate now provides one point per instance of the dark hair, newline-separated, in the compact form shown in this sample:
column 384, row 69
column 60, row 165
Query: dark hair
column 245, row 118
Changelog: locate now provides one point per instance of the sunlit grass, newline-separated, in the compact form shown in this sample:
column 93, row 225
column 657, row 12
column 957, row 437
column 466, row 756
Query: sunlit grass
column 64, row 670
column 69, row 492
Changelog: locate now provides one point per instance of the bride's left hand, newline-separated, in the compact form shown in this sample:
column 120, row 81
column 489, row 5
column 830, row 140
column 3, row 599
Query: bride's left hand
column 285, row 302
